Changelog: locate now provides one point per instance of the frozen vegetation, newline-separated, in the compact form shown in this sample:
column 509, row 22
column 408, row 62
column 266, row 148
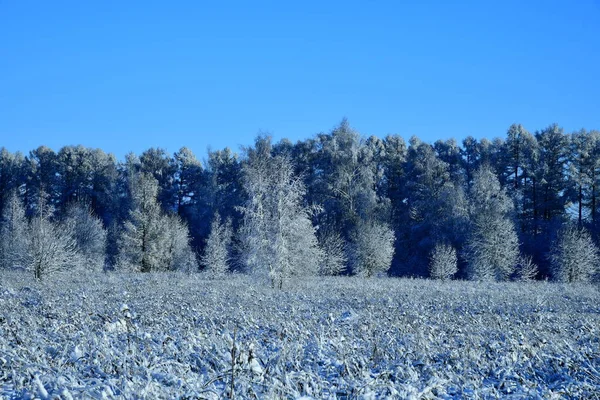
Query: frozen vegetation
column 172, row 335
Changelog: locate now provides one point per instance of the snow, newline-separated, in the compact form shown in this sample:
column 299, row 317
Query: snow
column 171, row 336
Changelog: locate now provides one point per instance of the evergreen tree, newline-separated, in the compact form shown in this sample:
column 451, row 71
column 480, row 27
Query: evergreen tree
column 553, row 145
column 11, row 174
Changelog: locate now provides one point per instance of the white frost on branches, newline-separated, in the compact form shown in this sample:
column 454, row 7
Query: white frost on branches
column 443, row 262
column 278, row 237
column 574, row 256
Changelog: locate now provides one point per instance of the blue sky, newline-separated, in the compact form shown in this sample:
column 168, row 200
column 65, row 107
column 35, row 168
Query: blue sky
column 126, row 76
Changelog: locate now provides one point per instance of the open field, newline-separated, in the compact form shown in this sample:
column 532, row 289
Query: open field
column 171, row 336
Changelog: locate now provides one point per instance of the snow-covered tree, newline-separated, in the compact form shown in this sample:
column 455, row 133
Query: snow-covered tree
column 52, row 246
column 151, row 240
column 444, row 262
column 138, row 242
column 14, row 234
column 526, row 269
column 334, row 253
column 492, row 247
column 88, row 233
column 372, row 248
column 217, row 256
column 174, row 245
column 553, row 151
column 574, row 256
column 278, row 237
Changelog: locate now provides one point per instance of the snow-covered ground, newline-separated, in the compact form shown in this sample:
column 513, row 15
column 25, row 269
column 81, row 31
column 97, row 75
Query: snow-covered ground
column 172, row 335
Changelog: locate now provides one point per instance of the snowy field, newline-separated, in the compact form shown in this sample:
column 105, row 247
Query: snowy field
column 173, row 336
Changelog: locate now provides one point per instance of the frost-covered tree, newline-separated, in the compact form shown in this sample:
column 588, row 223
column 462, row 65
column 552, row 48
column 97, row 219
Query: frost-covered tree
column 42, row 178
column 526, row 270
column 156, row 162
column 278, row 237
column 89, row 234
column 11, row 174
column 14, row 234
column 141, row 233
column 52, row 247
column 372, row 248
column 188, row 177
column 443, row 262
column 425, row 195
column 574, row 256
column 518, row 147
column 583, row 167
column 334, row 253
column 217, row 256
column 150, row 240
column 492, row 246
column 174, row 245
column 553, row 151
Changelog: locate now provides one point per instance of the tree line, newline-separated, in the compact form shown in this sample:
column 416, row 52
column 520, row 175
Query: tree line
column 521, row 207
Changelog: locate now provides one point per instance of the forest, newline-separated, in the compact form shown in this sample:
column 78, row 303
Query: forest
column 520, row 207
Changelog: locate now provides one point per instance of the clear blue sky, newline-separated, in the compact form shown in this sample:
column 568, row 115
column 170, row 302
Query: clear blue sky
column 125, row 75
